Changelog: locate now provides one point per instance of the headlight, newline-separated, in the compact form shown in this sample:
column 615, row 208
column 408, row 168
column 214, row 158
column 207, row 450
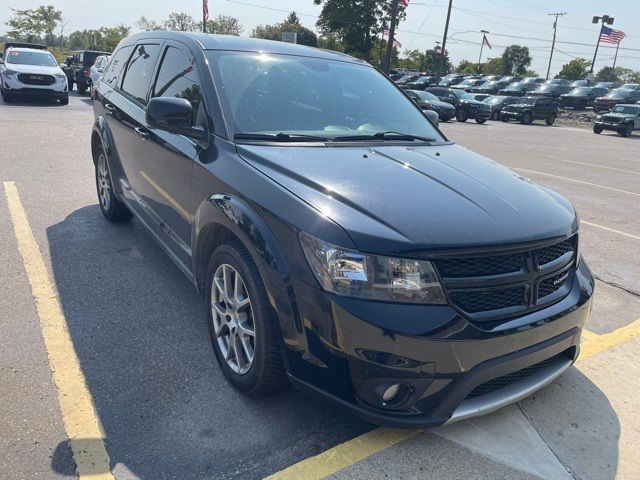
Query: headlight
column 60, row 76
column 353, row 274
column 598, row 117
column 7, row 73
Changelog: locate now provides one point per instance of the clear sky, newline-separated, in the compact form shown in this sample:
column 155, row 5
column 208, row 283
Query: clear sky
column 423, row 26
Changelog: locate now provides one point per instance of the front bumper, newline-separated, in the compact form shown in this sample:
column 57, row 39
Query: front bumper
column 13, row 86
column 609, row 125
column 353, row 349
column 479, row 114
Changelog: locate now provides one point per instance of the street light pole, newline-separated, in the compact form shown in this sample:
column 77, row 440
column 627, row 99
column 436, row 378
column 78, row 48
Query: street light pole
column 609, row 21
column 553, row 44
column 484, row 32
column 444, row 42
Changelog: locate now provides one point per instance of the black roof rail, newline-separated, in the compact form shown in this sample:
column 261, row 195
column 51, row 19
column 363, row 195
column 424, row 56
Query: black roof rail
column 36, row 46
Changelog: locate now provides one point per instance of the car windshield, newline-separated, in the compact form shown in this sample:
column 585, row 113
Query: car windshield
column 526, row 101
column 620, row 93
column 546, row 88
column 630, row 86
column 626, row 109
column 41, row 59
column 515, row 86
column 273, row 94
column 426, row 96
column 580, row 91
column 462, row 95
column 493, row 100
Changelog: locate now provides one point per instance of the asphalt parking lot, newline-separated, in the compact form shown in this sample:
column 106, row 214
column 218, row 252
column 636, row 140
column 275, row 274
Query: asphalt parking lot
column 162, row 405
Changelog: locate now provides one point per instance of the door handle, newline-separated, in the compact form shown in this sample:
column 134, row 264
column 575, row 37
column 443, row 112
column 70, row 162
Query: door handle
column 141, row 133
column 109, row 108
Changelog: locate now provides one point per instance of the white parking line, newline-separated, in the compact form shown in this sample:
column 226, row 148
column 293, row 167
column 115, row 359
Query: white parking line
column 630, row 235
column 595, row 165
column 576, row 181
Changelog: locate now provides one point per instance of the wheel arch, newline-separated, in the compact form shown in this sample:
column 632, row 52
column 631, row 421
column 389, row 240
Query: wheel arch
column 221, row 218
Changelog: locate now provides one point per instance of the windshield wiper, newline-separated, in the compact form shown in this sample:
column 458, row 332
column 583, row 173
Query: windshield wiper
column 390, row 135
column 280, row 137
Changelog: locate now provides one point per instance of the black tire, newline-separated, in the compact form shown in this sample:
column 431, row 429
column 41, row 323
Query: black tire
column 70, row 85
column 481, row 120
column 526, row 118
column 550, row 120
column 504, row 118
column 82, row 89
column 7, row 98
column 462, row 115
column 495, row 116
column 64, row 100
column 582, row 106
column 626, row 130
column 266, row 373
column 597, row 129
column 112, row 209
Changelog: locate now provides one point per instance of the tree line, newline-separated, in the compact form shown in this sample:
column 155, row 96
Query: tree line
column 343, row 26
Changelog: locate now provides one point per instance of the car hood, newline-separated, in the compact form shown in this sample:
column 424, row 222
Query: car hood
column 617, row 116
column 395, row 199
column 440, row 104
column 35, row 69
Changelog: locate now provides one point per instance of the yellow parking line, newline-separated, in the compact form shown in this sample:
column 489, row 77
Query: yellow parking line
column 343, row 455
column 593, row 346
column 379, row 439
column 76, row 404
column 610, row 229
column 576, row 181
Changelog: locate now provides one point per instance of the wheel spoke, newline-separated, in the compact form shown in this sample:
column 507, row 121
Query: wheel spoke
column 241, row 304
column 226, row 276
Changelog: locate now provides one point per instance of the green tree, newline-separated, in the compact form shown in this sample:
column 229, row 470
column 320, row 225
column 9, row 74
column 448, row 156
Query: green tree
column 24, row 25
column 224, row 25
column 331, row 42
column 357, row 23
column 576, row 69
column 148, row 25
column 181, row 22
column 293, row 19
column 412, row 59
column 465, row 66
column 274, row 32
column 531, row 73
column 493, row 66
column 515, row 60
column 111, row 36
column 103, row 39
column 48, row 17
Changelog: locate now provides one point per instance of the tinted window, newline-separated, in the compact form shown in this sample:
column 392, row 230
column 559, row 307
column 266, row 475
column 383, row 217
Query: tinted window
column 43, row 59
column 178, row 77
column 115, row 69
column 139, row 71
column 269, row 93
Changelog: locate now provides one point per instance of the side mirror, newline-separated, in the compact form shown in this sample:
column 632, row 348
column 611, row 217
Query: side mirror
column 173, row 115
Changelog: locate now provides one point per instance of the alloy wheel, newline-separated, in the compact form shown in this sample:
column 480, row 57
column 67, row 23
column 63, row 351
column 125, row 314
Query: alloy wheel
column 232, row 315
column 104, row 182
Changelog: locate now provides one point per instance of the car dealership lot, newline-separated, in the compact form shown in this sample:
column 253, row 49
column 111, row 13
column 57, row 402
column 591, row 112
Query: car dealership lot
column 165, row 410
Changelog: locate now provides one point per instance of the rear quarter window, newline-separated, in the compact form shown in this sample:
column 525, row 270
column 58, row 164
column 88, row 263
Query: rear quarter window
column 137, row 78
column 115, row 69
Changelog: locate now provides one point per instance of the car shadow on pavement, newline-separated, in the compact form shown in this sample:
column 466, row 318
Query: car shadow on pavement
column 32, row 102
column 139, row 329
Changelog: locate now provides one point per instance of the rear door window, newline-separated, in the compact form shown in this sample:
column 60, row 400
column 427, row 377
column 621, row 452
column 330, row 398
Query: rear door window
column 178, row 77
column 115, row 69
column 137, row 78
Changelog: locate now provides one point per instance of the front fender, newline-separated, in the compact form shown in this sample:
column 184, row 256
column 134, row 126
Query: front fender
column 222, row 211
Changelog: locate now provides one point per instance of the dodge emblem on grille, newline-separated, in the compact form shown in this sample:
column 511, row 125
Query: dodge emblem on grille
column 561, row 278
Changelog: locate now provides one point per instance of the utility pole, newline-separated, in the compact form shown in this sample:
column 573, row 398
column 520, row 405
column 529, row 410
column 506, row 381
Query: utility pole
column 392, row 32
column 444, row 42
column 553, row 44
column 609, row 21
column 483, row 32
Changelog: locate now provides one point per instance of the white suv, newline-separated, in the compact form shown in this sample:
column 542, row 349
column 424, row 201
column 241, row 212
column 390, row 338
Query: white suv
column 31, row 70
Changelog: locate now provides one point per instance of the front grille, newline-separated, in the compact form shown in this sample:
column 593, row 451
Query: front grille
column 35, row 79
column 510, row 378
column 480, row 266
column 491, row 286
column 610, row 119
column 487, row 300
column 554, row 252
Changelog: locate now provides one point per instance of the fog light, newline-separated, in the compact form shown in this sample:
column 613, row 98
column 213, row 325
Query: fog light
column 391, row 392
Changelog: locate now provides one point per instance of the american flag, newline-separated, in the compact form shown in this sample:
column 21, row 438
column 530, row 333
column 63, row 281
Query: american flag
column 205, row 10
column 405, row 2
column 385, row 33
column 609, row 35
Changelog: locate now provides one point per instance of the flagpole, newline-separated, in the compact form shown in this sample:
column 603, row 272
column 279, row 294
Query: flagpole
column 392, row 30
column 204, row 16
column 615, row 58
column 484, row 35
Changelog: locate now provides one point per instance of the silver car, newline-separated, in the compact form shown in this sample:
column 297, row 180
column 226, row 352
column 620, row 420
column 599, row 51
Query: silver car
column 96, row 71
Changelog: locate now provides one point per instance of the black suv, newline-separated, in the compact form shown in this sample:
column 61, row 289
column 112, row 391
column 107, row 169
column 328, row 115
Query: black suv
column 553, row 90
column 581, row 97
column 466, row 106
column 528, row 109
column 78, row 68
column 340, row 241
